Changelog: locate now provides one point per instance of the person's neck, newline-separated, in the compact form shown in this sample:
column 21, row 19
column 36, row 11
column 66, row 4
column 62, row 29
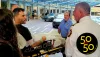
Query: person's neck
column 17, row 23
column 85, row 14
column 66, row 20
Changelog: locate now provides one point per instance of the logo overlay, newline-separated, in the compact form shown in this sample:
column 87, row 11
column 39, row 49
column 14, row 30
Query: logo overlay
column 87, row 43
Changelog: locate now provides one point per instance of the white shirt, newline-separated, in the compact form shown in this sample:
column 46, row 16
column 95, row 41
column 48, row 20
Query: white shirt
column 85, row 25
column 21, row 41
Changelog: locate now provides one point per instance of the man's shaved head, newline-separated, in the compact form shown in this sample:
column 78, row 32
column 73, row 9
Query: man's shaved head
column 81, row 10
column 84, row 6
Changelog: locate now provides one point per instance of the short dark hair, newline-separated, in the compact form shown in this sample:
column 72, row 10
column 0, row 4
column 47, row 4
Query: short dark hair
column 17, row 10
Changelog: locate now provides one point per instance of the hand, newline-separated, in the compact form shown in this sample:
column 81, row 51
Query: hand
column 43, row 38
column 70, row 32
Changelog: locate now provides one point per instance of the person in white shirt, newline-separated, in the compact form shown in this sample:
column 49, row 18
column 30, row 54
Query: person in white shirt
column 80, row 43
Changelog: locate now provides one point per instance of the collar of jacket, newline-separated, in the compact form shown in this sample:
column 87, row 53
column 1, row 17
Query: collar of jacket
column 84, row 18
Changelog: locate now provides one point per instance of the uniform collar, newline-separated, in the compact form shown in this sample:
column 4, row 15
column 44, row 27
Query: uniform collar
column 84, row 18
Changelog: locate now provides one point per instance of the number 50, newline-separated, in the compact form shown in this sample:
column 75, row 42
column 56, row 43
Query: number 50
column 87, row 47
column 85, row 42
column 87, row 39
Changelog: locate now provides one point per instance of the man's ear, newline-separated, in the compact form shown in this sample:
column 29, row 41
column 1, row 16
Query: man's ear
column 82, row 13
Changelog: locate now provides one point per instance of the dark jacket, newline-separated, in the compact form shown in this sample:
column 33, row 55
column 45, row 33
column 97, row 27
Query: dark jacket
column 7, row 50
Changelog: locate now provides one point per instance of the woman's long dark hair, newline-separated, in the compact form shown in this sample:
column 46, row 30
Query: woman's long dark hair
column 7, row 28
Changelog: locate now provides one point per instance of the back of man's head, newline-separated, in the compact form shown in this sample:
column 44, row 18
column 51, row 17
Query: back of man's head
column 17, row 10
column 81, row 10
column 84, row 6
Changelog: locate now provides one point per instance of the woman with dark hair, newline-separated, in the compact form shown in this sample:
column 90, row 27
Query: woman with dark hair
column 8, row 39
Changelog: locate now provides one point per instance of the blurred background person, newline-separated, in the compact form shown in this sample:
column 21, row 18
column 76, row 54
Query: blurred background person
column 8, row 38
column 65, row 25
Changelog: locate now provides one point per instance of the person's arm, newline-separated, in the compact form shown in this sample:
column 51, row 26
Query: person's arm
column 58, row 30
column 68, row 27
column 69, row 33
column 38, row 42
column 70, row 44
column 28, row 36
column 59, row 27
column 68, row 48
